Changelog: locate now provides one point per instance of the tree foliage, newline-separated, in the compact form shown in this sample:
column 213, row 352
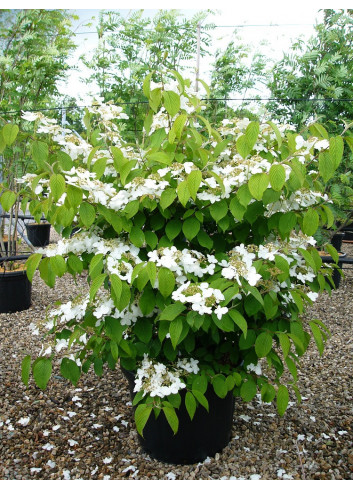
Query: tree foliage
column 131, row 47
column 321, row 68
column 235, row 70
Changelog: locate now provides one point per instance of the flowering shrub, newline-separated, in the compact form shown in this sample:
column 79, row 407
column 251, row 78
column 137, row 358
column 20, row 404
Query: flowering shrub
column 198, row 248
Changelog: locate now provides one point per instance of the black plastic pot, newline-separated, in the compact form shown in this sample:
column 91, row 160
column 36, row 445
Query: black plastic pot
column 337, row 239
column 336, row 276
column 38, row 234
column 15, row 291
column 203, row 436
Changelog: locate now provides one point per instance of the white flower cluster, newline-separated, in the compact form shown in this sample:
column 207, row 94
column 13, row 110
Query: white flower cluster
column 156, row 379
column 203, row 298
column 240, row 264
column 137, row 188
column 298, row 200
column 183, row 262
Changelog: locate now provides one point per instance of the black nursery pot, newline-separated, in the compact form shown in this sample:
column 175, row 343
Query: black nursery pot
column 337, row 239
column 203, row 436
column 336, row 276
column 15, row 291
column 38, row 234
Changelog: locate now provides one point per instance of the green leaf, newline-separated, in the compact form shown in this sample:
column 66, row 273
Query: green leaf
column 40, row 152
column 282, row 399
column 248, row 390
column 317, row 336
column 58, row 265
column 166, row 281
column 237, row 209
column 70, row 370
column 285, row 343
column 87, row 214
column 143, row 329
column 175, row 329
column 173, row 228
column 142, row 414
column 137, row 237
column 7, row 200
column 25, row 369
column 246, row 142
column 172, row 418
column 151, row 239
column 310, row 222
column 74, row 263
column 42, row 369
column 277, row 177
column 204, row 240
column 190, row 404
column 74, row 195
column 146, row 86
column 183, row 193
column 57, row 186
column 9, row 132
column 171, row 102
column 167, row 197
column 336, row 150
column 199, row 383
column 220, row 386
column 263, row 344
column 147, row 301
column 161, row 157
column 96, row 284
column 268, row 393
column 96, row 265
column 172, row 311
column 99, row 167
column 258, row 183
column 201, row 399
column 333, row 252
column 193, row 182
column 239, row 320
column 326, row 166
column 191, row 227
column 178, row 126
column 116, row 288
column 219, row 210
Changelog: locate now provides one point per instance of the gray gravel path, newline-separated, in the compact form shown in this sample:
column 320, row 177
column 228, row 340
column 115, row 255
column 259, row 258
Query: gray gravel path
column 87, row 432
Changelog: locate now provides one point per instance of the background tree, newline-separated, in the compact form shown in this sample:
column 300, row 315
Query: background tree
column 35, row 45
column 34, row 48
column 131, row 47
column 321, row 68
column 236, row 69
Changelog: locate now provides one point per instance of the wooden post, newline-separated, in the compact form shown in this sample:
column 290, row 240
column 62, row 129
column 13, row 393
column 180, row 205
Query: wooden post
column 198, row 56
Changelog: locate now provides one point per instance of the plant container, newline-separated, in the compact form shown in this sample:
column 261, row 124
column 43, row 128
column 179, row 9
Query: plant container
column 337, row 240
column 38, row 234
column 203, row 436
column 15, row 291
column 336, row 276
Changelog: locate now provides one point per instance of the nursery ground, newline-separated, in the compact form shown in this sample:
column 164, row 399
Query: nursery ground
column 87, row 432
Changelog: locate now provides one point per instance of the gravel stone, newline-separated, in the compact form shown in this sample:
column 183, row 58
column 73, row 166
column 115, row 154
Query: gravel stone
column 87, row 438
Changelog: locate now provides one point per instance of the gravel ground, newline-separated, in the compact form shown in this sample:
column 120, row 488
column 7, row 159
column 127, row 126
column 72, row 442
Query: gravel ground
column 87, row 432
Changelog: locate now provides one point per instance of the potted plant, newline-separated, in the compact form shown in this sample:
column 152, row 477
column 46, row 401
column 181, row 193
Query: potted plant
column 200, row 258
column 15, row 288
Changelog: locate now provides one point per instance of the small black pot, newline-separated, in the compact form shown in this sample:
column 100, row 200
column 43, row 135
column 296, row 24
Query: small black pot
column 38, row 234
column 203, row 436
column 337, row 239
column 336, row 276
column 15, row 291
